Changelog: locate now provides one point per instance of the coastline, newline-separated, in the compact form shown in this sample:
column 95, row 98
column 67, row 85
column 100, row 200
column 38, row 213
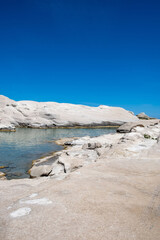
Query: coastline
column 78, row 151
column 34, row 139
column 63, row 127
column 111, row 186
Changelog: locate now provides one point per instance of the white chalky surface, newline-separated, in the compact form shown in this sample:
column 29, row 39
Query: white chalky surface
column 20, row 212
column 39, row 201
column 42, row 114
column 33, row 195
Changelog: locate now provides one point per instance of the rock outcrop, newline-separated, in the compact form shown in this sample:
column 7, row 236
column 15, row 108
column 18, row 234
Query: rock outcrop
column 127, row 127
column 143, row 116
column 138, row 141
column 51, row 114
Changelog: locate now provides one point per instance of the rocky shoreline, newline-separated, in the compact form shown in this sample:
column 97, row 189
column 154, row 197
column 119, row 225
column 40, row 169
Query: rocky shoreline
column 131, row 140
column 104, row 187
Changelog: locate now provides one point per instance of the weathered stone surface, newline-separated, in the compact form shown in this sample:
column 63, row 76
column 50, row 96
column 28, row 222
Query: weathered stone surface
column 57, row 169
column 142, row 115
column 43, row 166
column 65, row 161
column 51, row 114
column 5, row 127
column 86, row 150
column 91, row 145
column 65, row 141
column 40, row 171
column 127, row 127
column 70, row 163
column 131, row 112
column 113, row 195
column 75, row 158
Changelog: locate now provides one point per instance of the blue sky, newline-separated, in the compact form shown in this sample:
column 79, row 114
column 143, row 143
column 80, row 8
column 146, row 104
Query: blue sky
column 88, row 51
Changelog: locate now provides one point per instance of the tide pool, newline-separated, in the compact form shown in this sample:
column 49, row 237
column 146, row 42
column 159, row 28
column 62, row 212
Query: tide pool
column 18, row 149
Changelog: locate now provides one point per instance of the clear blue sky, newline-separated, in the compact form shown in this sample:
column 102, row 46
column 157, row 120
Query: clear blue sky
column 82, row 51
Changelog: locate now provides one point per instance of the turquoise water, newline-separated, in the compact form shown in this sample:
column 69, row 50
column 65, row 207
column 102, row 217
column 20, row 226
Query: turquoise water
column 18, row 149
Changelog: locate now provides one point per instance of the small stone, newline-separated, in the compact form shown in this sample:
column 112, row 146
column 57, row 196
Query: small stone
column 40, row 171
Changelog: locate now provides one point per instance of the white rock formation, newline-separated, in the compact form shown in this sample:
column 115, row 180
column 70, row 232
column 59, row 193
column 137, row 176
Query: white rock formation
column 115, row 195
column 51, row 114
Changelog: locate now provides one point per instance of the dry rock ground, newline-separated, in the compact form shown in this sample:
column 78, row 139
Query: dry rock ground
column 111, row 192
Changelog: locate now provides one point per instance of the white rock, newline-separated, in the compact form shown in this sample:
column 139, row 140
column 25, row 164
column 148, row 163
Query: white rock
column 39, row 201
column 20, row 212
column 57, row 169
column 40, row 170
column 51, row 114
column 33, row 195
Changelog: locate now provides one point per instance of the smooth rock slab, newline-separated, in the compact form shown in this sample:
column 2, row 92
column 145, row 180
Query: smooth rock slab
column 51, row 114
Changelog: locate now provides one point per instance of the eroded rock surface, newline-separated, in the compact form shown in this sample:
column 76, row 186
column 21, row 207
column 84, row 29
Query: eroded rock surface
column 137, row 143
column 142, row 115
column 109, row 191
column 127, row 127
column 51, row 114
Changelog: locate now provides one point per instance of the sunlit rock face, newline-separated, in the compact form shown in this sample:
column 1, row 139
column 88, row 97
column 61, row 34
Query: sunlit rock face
column 141, row 142
column 143, row 116
column 51, row 114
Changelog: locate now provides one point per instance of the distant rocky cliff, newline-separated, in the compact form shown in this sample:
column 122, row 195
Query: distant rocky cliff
column 51, row 114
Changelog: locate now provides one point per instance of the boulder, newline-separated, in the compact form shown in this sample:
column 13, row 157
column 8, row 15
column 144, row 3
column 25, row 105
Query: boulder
column 143, row 116
column 128, row 127
column 40, row 171
column 43, row 166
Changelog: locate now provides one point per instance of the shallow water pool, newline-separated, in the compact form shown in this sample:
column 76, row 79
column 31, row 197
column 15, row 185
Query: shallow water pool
column 18, row 149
